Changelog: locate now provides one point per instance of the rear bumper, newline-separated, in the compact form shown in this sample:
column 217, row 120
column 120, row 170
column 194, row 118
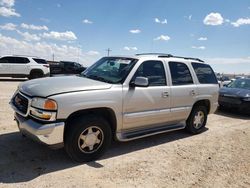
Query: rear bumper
column 49, row 134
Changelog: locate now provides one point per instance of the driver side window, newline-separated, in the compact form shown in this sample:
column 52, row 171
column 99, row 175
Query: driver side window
column 154, row 71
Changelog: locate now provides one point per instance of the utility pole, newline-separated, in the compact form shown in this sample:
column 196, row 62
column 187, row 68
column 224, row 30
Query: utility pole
column 108, row 50
column 53, row 56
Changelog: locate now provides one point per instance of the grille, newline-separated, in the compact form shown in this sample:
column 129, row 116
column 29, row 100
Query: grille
column 21, row 103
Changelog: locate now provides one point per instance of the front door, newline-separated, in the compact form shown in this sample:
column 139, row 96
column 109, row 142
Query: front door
column 147, row 106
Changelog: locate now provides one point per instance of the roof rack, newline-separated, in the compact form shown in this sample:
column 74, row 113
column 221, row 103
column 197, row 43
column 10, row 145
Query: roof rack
column 24, row 55
column 159, row 54
column 190, row 58
column 169, row 55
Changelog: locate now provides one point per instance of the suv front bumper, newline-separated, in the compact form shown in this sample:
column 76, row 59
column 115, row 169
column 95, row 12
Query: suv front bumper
column 50, row 134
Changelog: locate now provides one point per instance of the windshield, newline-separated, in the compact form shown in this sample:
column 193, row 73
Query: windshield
column 110, row 69
column 240, row 83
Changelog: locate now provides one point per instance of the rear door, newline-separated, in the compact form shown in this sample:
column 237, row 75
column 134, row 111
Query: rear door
column 5, row 65
column 20, row 66
column 183, row 90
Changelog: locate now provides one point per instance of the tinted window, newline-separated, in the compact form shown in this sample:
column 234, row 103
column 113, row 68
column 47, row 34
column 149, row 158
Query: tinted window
column 40, row 61
column 180, row 73
column 21, row 60
column 154, row 71
column 204, row 73
column 7, row 60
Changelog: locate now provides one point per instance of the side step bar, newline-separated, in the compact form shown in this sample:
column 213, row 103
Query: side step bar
column 132, row 135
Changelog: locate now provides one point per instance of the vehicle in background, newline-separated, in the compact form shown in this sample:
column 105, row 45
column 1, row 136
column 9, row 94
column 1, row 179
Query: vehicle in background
column 239, row 77
column 236, row 95
column 16, row 66
column 223, row 80
column 66, row 67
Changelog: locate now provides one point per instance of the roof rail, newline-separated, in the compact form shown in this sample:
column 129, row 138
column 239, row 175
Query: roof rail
column 159, row 54
column 20, row 55
column 189, row 58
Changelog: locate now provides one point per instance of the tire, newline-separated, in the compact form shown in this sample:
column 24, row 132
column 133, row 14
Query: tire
column 35, row 74
column 197, row 120
column 87, row 138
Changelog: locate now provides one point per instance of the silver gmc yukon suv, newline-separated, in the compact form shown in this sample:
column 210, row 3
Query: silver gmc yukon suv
column 124, row 98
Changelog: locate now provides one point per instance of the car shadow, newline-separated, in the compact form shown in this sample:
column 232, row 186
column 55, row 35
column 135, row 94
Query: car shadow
column 232, row 114
column 22, row 160
column 13, row 79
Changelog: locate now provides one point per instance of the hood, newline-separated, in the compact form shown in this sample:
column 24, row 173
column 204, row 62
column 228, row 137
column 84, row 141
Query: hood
column 45, row 87
column 235, row 92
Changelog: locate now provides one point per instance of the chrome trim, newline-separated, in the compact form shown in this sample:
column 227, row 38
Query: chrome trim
column 14, row 107
column 50, row 134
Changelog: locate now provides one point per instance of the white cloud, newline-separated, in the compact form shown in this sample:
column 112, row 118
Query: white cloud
column 130, row 48
column 34, row 27
column 161, row 22
column 45, row 20
column 68, row 35
column 163, row 37
column 8, row 12
column 157, row 20
column 199, row 47
column 227, row 61
column 8, row 26
column 202, row 38
column 213, row 19
column 86, row 21
column 135, row 31
column 58, row 5
column 241, row 21
column 190, row 17
column 29, row 37
column 93, row 53
column 7, row 3
column 45, row 50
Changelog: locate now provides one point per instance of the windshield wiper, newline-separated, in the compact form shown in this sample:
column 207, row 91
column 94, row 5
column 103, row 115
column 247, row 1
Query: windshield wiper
column 98, row 78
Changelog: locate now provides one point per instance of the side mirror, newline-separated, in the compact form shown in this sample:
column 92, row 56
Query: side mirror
column 140, row 82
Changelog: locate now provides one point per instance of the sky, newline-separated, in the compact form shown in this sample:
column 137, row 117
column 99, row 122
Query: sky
column 82, row 30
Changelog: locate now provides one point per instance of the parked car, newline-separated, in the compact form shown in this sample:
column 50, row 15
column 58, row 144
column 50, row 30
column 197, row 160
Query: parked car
column 124, row 98
column 236, row 95
column 223, row 80
column 66, row 67
column 23, row 66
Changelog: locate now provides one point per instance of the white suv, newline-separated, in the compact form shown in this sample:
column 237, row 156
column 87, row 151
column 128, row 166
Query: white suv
column 23, row 66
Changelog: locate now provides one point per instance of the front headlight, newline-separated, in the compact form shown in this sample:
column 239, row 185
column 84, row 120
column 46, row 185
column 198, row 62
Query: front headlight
column 46, row 104
column 44, row 109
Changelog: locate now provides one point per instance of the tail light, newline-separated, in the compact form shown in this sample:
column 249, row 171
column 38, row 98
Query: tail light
column 47, row 66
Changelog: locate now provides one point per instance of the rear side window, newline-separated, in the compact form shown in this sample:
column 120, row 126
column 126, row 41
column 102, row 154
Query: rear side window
column 204, row 73
column 40, row 61
column 21, row 60
column 7, row 60
column 180, row 74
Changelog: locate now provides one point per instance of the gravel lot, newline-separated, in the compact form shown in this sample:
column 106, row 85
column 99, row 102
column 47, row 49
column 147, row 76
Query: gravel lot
column 219, row 157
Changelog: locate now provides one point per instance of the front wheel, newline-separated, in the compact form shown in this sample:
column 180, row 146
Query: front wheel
column 87, row 138
column 197, row 120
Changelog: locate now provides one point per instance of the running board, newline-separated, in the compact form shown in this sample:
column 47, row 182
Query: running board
column 132, row 135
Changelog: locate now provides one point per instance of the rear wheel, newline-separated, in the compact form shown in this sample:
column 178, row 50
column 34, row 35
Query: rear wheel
column 87, row 138
column 197, row 120
column 35, row 74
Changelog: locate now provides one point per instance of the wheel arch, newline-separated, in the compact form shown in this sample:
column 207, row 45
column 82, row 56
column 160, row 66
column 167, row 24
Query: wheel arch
column 105, row 112
column 203, row 102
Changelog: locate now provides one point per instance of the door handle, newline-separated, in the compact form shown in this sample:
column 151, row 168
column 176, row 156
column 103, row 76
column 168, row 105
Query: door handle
column 164, row 94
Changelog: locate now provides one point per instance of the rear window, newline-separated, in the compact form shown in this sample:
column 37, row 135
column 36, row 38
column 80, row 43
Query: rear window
column 40, row 61
column 204, row 73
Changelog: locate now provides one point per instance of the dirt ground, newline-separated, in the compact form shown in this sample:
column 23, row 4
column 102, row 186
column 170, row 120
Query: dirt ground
column 219, row 157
